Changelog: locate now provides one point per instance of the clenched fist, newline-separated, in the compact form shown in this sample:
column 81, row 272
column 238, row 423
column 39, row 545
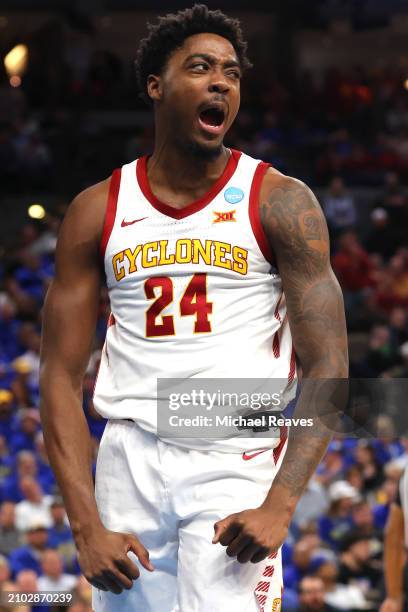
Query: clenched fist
column 252, row 535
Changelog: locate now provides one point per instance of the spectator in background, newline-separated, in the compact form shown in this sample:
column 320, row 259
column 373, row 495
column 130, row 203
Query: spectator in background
column 337, row 522
column 29, row 424
column 10, row 536
column 11, row 587
column 60, row 536
column 332, row 465
column 53, row 578
column 338, row 206
column 381, row 353
column 6, row 460
column 399, row 325
column 303, row 551
column 312, row 504
column 353, row 268
column 28, row 556
column 400, row 371
column 26, row 465
column 394, row 197
column 27, row 367
column 382, row 236
column 356, row 564
column 364, row 455
column 8, row 420
column 35, row 505
column 27, row 582
column 311, row 596
column 4, row 572
column 345, row 597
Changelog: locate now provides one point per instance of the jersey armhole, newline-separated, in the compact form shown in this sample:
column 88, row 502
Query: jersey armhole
column 254, row 217
column 110, row 212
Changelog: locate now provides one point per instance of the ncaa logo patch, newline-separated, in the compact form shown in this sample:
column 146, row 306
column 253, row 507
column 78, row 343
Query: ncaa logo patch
column 276, row 605
column 233, row 195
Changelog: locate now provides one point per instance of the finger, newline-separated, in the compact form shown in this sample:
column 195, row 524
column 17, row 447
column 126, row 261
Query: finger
column 129, row 568
column 238, row 544
column 98, row 585
column 110, row 583
column 260, row 555
column 140, row 551
column 247, row 553
column 221, row 526
column 121, row 580
column 230, row 533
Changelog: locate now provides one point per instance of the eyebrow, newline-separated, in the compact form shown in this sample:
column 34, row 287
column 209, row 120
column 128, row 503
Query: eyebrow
column 210, row 59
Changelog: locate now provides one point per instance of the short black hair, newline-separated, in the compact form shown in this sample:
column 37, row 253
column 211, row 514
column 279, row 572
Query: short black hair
column 170, row 33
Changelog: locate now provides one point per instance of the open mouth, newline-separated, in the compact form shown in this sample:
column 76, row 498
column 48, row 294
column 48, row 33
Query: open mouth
column 212, row 119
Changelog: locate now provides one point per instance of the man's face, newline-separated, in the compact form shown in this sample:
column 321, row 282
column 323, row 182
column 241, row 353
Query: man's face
column 311, row 594
column 37, row 538
column 58, row 514
column 52, row 564
column 198, row 93
column 7, row 515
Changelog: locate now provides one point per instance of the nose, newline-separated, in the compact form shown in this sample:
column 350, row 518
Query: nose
column 218, row 83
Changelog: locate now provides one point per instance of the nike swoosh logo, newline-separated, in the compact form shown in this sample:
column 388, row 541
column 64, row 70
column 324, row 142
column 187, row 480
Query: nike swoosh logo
column 125, row 223
column 247, row 456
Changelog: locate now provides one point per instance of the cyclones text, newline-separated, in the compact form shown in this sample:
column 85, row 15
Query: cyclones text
column 185, row 251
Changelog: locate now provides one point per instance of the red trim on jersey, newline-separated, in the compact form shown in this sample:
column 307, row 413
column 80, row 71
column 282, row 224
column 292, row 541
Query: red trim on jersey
column 277, row 313
column 292, row 369
column 181, row 213
column 277, row 451
column 276, row 345
column 254, row 217
column 110, row 213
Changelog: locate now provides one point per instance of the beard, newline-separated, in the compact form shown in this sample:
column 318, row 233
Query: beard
column 202, row 152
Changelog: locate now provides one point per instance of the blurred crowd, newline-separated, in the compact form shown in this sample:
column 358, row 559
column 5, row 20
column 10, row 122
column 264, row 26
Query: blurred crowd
column 74, row 114
column 344, row 129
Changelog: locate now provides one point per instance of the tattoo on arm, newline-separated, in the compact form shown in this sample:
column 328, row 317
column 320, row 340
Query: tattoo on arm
column 296, row 229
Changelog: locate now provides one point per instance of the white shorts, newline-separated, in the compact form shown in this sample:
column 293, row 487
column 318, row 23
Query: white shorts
column 170, row 497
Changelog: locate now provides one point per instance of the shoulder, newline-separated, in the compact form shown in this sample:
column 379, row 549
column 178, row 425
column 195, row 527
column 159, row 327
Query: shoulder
column 85, row 216
column 89, row 206
column 288, row 206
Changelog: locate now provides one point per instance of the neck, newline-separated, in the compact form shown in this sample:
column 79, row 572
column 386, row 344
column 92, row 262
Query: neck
column 180, row 169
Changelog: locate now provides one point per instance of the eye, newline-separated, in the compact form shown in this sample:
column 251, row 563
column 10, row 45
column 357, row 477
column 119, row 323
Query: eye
column 234, row 74
column 201, row 66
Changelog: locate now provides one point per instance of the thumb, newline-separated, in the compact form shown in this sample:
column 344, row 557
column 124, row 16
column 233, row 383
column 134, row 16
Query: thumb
column 219, row 528
column 141, row 552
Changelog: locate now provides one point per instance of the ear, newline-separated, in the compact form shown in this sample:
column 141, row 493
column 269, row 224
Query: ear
column 154, row 87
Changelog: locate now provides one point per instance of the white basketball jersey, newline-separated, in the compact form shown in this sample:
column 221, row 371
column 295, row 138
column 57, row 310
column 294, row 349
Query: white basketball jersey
column 193, row 293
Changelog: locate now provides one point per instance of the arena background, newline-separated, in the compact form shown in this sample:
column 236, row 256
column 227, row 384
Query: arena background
column 327, row 102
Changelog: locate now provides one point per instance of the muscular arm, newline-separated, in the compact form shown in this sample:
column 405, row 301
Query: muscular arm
column 69, row 320
column 297, row 232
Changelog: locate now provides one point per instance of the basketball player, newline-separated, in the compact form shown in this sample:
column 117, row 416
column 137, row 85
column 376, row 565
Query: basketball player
column 197, row 243
column 395, row 544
